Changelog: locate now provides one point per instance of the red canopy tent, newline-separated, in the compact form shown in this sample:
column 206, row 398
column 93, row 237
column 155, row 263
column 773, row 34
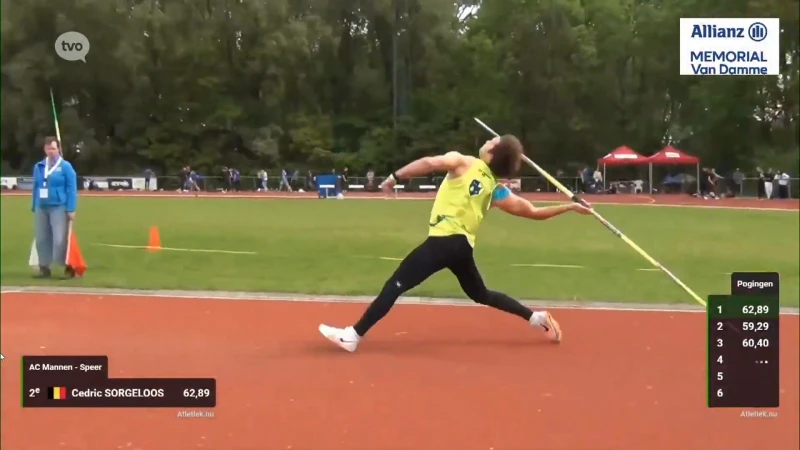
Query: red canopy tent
column 672, row 156
column 621, row 156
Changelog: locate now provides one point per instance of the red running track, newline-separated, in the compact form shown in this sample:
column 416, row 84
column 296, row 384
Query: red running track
column 429, row 378
column 659, row 200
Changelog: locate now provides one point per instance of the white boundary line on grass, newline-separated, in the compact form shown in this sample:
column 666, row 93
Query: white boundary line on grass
column 172, row 249
column 556, row 266
column 276, row 297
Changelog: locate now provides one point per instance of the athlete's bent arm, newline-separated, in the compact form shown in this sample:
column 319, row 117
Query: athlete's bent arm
column 505, row 200
column 449, row 162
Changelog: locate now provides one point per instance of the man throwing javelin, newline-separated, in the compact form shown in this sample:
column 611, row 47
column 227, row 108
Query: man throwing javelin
column 470, row 189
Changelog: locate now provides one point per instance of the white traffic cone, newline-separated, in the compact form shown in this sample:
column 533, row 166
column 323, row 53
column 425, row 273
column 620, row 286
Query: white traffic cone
column 33, row 260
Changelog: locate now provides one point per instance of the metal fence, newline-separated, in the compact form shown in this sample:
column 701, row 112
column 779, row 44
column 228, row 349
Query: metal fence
column 748, row 188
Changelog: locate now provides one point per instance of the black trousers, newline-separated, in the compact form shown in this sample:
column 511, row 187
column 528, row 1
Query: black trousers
column 433, row 255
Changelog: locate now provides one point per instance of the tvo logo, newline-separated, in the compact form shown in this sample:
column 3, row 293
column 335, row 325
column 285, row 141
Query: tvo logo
column 72, row 46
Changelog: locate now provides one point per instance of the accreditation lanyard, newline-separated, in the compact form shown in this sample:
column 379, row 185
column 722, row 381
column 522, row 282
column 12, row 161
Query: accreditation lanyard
column 48, row 172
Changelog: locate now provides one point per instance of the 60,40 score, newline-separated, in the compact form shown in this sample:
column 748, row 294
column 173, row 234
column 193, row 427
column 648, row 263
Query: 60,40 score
column 749, row 343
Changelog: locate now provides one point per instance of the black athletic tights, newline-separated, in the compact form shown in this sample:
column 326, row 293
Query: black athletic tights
column 437, row 253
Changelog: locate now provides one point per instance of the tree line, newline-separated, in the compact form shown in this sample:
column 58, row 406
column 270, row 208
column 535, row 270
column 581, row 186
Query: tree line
column 314, row 84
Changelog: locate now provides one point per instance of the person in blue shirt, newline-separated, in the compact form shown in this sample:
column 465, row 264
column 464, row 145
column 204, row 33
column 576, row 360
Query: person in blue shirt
column 237, row 179
column 55, row 198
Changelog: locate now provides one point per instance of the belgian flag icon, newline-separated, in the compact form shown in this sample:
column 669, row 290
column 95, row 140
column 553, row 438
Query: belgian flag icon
column 57, row 393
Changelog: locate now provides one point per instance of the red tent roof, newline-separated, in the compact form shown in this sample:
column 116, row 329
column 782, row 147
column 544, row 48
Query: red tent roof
column 671, row 155
column 622, row 156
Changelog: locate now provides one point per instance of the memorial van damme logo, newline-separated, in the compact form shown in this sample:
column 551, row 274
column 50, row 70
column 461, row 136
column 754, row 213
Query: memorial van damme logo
column 716, row 46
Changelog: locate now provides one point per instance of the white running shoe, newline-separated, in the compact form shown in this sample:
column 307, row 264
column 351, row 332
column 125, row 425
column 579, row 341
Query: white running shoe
column 545, row 320
column 346, row 338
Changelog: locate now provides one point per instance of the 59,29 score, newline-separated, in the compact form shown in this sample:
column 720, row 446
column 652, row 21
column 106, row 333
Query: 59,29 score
column 755, row 326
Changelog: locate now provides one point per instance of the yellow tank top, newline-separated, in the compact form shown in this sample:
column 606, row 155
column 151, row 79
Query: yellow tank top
column 462, row 202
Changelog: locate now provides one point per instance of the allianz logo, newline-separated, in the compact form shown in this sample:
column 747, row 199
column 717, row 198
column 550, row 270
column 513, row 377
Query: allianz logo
column 713, row 31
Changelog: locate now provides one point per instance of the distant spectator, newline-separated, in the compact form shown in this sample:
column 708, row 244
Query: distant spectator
column 783, row 185
column 706, row 183
column 587, row 177
column 148, row 174
column 738, row 181
column 236, row 179
column 345, row 181
column 183, row 178
column 194, row 181
column 769, row 183
column 263, row 178
column 311, row 181
column 598, row 178
column 227, row 180
column 295, row 177
column 370, row 179
column 762, row 183
column 713, row 182
column 284, row 181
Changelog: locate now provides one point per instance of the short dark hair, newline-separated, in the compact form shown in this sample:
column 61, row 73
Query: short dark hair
column 506, row 156
column 50, row 139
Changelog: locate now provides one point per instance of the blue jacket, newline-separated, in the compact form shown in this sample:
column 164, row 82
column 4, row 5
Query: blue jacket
column 62, row 186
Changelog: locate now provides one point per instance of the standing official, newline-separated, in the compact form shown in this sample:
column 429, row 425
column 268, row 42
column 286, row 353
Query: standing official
column 55, row 198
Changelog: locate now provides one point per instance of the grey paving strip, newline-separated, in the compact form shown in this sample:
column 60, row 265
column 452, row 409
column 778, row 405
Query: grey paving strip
column 269, row 296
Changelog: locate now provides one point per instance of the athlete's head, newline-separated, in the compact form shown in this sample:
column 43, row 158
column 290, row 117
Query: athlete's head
column 503, row 155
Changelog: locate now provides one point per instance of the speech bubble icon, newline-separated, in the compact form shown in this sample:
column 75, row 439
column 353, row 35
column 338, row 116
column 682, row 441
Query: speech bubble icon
column 72, row 46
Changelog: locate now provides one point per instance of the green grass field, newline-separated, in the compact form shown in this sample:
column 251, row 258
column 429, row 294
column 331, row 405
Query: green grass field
column 335, row 247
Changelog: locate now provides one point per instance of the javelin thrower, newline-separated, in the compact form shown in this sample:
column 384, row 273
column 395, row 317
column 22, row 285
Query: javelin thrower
column 470, row 189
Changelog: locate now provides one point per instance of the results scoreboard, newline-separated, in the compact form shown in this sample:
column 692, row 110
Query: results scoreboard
column 743, row 343
column 83, row 382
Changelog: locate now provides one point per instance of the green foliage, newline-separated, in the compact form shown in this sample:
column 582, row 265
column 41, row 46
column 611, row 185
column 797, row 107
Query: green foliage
column 321, row 83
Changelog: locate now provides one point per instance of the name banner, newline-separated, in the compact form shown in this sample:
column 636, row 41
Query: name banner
column 118, row 184
column 115, row 184
column 717, row 46
column 8, row 182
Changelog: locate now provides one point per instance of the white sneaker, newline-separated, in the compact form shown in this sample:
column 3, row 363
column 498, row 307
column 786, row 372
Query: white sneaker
column 546, row 321
column 346, row 338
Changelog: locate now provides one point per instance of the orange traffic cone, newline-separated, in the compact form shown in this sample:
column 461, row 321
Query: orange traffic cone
column 155, row 240
column 74, row 256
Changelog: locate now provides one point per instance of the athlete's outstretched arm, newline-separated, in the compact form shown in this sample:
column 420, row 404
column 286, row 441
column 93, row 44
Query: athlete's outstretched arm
column 504, row 199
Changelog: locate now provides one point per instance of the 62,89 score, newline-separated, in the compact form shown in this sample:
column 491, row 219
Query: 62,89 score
column 196, row 393
column 750, row 310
